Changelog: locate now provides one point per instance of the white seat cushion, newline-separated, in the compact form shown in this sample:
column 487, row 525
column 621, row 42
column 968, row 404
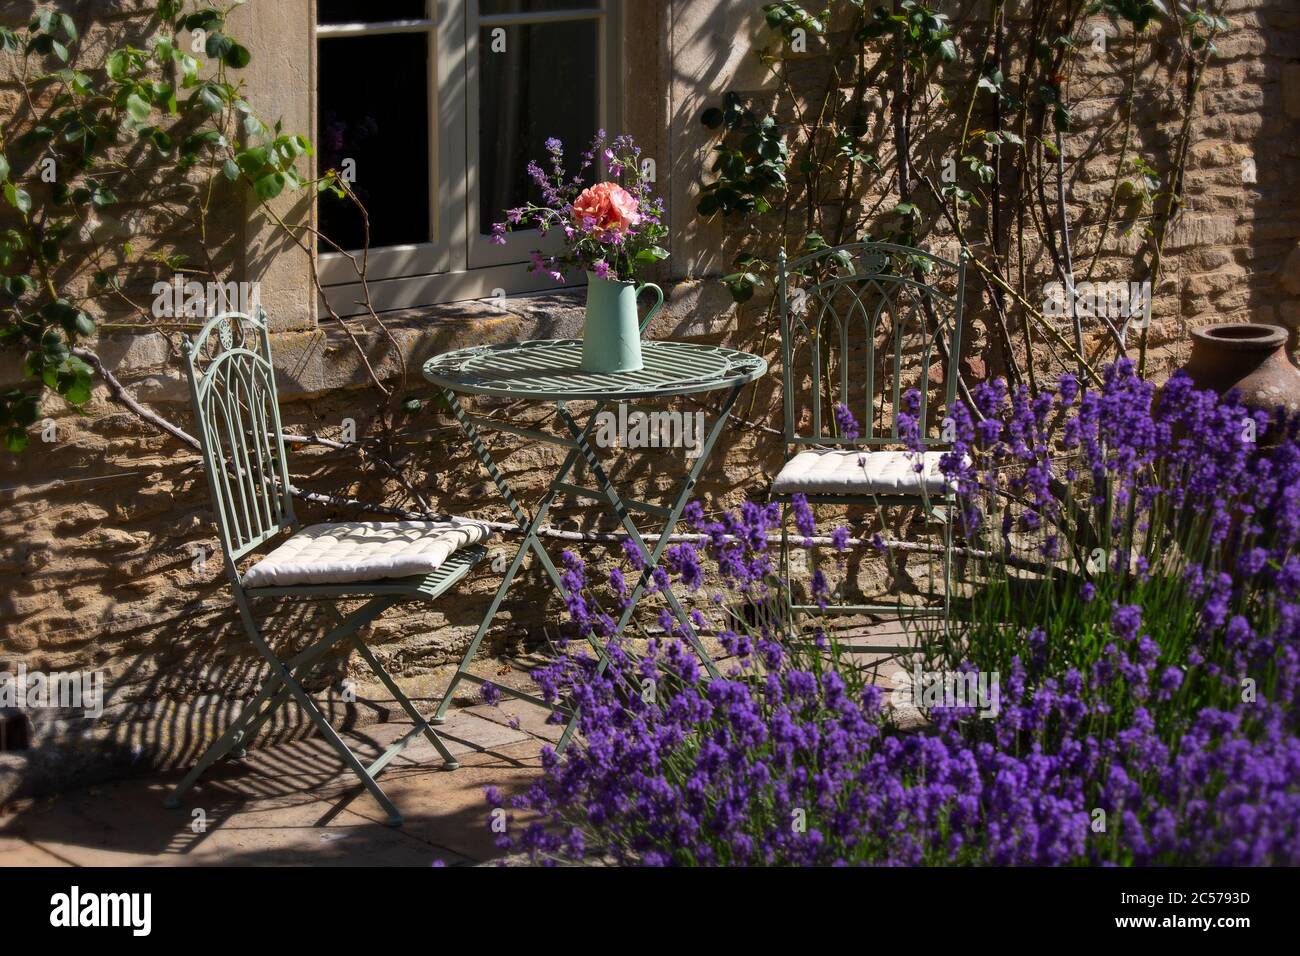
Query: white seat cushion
column 859, row 472
column 352, row 551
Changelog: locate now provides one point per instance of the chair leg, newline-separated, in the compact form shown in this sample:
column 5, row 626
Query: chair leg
column 282, row 681
column 334, row 740
column 300, row 664
column 785, row 541
column 238, row 731
column 448, row 761
column 422, row 723
column 249, row 720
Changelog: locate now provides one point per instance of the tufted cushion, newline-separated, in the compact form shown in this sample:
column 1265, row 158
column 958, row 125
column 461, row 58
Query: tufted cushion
column 857, row 472
column 353, row 551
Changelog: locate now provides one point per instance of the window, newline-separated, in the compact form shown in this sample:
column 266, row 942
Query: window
column 432, row 108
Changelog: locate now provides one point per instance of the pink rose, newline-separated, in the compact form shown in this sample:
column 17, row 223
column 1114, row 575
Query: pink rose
column 606, row 207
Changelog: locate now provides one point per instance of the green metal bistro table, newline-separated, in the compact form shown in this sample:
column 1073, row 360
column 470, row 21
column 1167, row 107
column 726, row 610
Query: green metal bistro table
column 549, row 370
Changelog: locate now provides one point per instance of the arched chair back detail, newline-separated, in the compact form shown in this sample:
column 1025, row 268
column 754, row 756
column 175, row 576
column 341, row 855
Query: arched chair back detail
column 232, row 384
column 860, row 325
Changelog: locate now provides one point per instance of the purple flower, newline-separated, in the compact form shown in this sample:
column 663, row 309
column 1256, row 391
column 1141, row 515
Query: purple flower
column 803, row 516
column 845, row 422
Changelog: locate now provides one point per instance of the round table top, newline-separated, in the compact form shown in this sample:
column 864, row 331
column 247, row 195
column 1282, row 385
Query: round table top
column 551, row 370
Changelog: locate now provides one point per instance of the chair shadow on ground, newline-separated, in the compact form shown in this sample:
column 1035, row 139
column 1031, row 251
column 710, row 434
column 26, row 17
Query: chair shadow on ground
column 294, row 803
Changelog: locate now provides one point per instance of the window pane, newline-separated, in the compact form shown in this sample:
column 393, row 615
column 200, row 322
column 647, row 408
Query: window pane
column 489, row 7
column 382, row 125
column 368, row 11
column 543, row 84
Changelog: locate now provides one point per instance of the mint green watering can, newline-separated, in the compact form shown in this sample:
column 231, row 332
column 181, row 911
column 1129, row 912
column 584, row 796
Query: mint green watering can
column 611, row 338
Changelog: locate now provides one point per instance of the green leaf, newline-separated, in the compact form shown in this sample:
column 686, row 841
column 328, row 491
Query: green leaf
column 74, row 384
column 742, row 290
column 270, row 185
column 210, row 99
column 207, row 20
column 218, row 45
column 237, row 57
column 1061, row 118
column 189, row 68
column 15, row 439
column 712, row 117
column 53, row 346
column 18, row 198
column 116, row 65
column 231, row 170
column 4, row 167
column 253, row 160
column 138, row 107
column 411, row 405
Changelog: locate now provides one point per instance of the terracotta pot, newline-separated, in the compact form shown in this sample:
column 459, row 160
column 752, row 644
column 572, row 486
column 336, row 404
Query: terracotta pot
column 1250, row 358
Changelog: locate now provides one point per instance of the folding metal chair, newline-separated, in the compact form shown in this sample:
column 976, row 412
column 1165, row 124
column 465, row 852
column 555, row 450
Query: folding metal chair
column 861, row 324
column 232, row 384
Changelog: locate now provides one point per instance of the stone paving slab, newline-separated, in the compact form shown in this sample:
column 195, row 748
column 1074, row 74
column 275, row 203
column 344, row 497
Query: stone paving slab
column 533, row 721
column 449, row 809
column 295, row 803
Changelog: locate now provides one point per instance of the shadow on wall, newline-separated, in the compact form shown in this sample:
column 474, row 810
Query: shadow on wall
column 1272, row 131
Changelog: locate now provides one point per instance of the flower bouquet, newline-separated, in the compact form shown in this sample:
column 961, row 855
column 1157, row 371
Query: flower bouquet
column 612, row 228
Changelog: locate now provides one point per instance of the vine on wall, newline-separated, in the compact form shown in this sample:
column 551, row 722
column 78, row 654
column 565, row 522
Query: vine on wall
column 115, row 173
column 975, row 140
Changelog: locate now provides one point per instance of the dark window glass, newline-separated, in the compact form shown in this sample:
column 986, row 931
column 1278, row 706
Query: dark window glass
column 544, row 84
column 373, row 105
column 489, row 7
column 369, row 11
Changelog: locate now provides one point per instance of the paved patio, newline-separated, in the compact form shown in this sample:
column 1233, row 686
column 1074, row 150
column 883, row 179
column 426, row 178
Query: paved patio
column 296, row 804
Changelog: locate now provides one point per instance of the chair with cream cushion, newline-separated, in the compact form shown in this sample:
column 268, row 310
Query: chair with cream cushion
column 232, row 384
column 861, row 324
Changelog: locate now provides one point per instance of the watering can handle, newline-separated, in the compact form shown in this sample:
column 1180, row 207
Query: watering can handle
column 659, row 302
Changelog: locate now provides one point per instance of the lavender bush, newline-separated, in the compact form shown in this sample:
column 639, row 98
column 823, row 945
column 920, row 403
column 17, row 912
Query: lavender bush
column 1140, row 612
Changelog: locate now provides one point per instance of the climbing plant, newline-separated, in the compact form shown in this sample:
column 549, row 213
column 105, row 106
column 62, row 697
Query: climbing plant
column 159, row 120
column 972, row 147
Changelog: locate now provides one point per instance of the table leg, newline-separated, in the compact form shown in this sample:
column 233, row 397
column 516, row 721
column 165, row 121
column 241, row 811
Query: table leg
column 580, row 446
column 650, row 557
column 530, row 541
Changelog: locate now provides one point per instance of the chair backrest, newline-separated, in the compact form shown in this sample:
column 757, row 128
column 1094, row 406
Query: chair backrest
column 236, row 405
column 861, row 324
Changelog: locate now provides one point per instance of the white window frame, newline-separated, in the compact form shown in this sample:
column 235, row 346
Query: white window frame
column 457, row 262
